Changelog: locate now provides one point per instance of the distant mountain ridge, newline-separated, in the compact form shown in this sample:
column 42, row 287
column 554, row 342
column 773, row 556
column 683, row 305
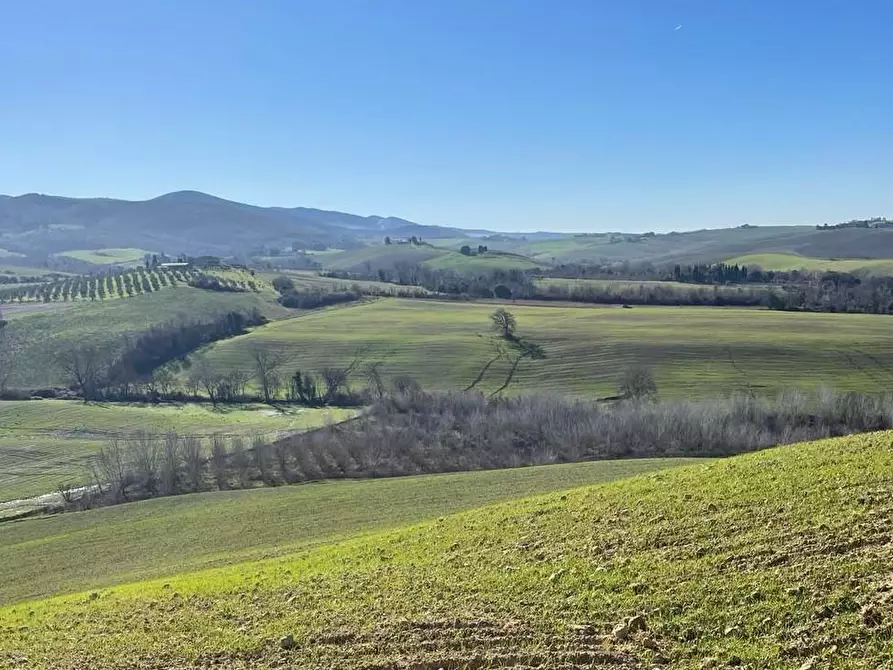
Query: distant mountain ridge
column 187, row 221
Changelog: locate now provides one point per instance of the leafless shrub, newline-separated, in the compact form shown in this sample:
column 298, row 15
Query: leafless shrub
column 113, row 468
column 638, row 383
column 262, row 459
column 240, row 462
column 145, row 456
column 169, row 469
column 66, row 492
column 218, row 462
column 193, row 461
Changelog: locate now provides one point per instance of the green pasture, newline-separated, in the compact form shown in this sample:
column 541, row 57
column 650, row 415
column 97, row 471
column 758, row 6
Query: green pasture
column 788, row 262
column 124, row 256
column 693, row 351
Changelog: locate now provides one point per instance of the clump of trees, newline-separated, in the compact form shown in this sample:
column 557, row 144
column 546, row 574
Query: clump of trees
column 142, row 367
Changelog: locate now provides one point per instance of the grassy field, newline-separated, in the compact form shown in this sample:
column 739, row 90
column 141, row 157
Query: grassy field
column 38, row 336
column 309, row 280
column 693, row 351
column 108, row 256
column 170, row 535
column 779, row 559
column 44, row 442
column 378, row 256
column 708, row 246
column 618, row 283
column 28, row 271
column 785, row 262
column 492, row 260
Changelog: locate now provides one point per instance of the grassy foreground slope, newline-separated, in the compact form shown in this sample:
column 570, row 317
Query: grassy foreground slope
column 787, row 262
column 779, row 559
column 693, row 351
column 182, row 533
column 44, row 443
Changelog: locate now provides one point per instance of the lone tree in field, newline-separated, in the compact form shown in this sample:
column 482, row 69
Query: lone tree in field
column 638, row 384
column 509, row 346
column 504, row 323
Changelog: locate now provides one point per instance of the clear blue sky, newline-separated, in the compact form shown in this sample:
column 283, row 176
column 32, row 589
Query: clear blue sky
column 506, row 114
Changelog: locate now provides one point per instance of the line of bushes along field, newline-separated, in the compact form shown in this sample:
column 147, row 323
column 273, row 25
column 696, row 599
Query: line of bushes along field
column 415, row 433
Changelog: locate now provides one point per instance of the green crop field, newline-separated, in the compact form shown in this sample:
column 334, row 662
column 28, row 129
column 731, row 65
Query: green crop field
column 786, row 262
column 44, row 442
column 378, row 256
column 693, row 351
column 612, row 283
column 308, row 280
column 38, row 337
column 492, row 260
column 779, row 559
column 170, row 535
column 28, row 271
column 108, row 256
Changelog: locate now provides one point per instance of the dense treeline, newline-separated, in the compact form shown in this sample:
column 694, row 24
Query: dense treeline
column 876, row 222
column 315, row 300
column 143, row 367
column 220, row 284
column 723, row 285
column 630, row 293
column 479, row 284
column 699, row 273
column 163, row 344
column 291, row 297
column 412, row 432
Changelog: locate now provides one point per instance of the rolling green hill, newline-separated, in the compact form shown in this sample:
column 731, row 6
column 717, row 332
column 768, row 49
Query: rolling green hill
column 170, row 535
column 38, row 337
column 693, row 351
column 44, row 443
column 378, row 256
column 786, row 262
column 706, row 246
column 779, row 559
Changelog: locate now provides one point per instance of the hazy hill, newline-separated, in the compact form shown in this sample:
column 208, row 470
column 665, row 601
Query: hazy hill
column 193, row 222
column 183, row 221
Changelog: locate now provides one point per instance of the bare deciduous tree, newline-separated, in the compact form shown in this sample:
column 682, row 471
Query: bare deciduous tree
column 169, row 470
column 83, row 368
column 267, row 364
column 193, row 460
column 145, row 452
column 203, row 376
column 112, row 468
column 638, row 383
column 8, row 350
column 372, row 372
column 218, row 462
column 240, row 462
column 262, row 458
